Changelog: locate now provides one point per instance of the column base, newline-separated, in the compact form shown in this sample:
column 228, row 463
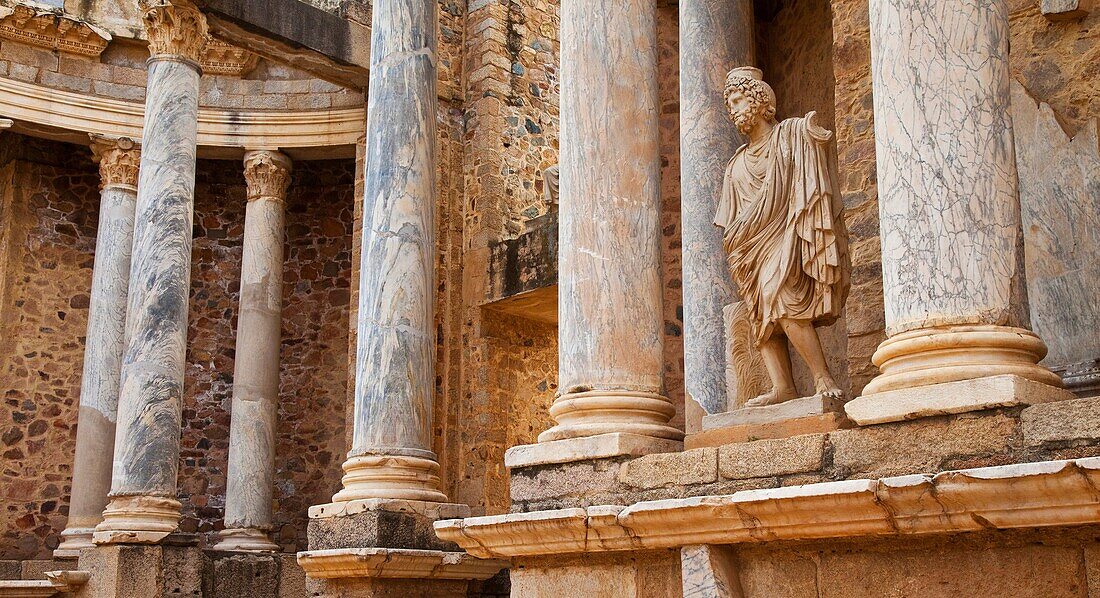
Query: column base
column 137, row 520
column 73, row 540
column 596, row 412
column 951, row 353
column 380, row 523
column 951, row 397
column 246, row 539
column 390, row 476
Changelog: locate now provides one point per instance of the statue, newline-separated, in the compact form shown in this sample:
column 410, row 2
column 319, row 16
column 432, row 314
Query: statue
column 783, row 233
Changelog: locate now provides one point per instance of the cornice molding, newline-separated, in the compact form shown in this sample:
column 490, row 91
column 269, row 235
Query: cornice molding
column 217, row 128
column 220, row 58
column 1025, row 495
column 51, row 30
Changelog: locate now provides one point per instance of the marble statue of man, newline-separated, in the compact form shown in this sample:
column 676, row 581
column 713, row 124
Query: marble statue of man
column 783, row 233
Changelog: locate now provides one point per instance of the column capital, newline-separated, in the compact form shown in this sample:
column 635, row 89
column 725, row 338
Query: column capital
column 267, row 174
column 176, row 29
column 118, row 159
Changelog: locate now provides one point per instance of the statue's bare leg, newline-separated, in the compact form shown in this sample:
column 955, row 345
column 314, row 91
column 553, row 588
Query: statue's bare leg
column 804, row 337
column 777, row 360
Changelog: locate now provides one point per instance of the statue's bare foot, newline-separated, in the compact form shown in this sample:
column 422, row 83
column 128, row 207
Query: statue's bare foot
column 772, row 397
column 827, row 388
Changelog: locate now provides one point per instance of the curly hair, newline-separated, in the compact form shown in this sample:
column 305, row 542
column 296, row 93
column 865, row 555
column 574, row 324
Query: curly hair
column 759, row 92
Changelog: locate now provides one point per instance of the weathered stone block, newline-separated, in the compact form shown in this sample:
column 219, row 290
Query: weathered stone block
column 919, row 446
column 765, row 458
column 1051, row 572
column 239, row 575
column 377, row 528
column 765, row 574
column 1065, row 420
column 699, row 466
column 571, row 479
column 10, row 570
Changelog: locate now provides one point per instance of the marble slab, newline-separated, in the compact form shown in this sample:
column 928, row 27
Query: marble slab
column 601, row 446
column 794, row 409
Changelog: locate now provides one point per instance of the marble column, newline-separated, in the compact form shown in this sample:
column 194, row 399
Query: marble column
column 143, row 506
column 251, row 471
column 391, row 455
column 715, row 36
column 610, row 324
column 95, row 437
column 949, row 217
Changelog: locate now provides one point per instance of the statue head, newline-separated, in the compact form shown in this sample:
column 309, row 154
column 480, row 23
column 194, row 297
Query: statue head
column 748, row 98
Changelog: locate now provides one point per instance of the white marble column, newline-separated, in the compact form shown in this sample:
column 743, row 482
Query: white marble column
column 143, row 506
column 251, row 471
column 95, row 437
column 610, row 322
column 715, row 36
column 950, row 219
column 391, row 455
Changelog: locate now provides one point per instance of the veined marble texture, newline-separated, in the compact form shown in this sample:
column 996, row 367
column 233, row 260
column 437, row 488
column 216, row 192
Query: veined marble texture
column 147, row 440
column 251, row 467
column 714, row 35
column 946, row 168
column 1060, row 210
column 104, row 346
column 395, row 356
column 609, row 287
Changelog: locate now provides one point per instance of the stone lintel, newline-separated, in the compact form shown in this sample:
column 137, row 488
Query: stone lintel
column 396, row 563
column 951, row 397
column 380, row 523
column 1025, row 495
column 601, row 446
column 793, row 409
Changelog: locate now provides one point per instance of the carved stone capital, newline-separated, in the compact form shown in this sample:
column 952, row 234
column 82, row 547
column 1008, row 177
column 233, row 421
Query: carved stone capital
column 267, row 174
column 118, row 159
column 175, row 28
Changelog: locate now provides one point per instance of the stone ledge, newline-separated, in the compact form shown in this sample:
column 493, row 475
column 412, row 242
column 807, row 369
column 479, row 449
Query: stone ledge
column 804, row 407
column 399, row 564
column 951, row 397
column 601, row 446
column 1040, row 494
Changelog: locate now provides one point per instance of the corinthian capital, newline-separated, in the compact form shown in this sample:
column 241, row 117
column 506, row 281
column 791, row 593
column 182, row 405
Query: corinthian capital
column 118, row 159
column 175, row 28
column 267, row 174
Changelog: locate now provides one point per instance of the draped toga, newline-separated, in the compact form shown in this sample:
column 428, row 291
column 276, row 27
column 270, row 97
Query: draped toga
column 783, row 228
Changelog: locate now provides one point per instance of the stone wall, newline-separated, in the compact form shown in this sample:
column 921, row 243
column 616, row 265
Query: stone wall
column 49, row 210
column 49, row 214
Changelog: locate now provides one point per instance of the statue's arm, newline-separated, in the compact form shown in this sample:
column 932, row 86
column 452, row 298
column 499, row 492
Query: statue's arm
column 815, row 130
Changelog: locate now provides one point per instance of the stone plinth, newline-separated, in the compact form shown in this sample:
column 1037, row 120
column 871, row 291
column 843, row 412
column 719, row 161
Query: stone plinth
column 807, row 415
column 380, row 523
column 795, row 409
column 162, row 570
column 592, row 447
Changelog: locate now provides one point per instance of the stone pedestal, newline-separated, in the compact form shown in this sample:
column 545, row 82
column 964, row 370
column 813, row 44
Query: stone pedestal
column 95, row 439
column 121, row 570
column 391, row 454
column 143, row 507
column 251, row 471
column 715, row 35
column 949, row 212
column 609, row 287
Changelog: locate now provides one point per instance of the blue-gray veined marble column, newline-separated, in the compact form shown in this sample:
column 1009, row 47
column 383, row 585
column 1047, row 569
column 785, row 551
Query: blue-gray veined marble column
column 949, row 216
column 251, row 471
column 391, row 454
column 715, row 36
column 143, row 506
column 610, row 322
column 95, row 437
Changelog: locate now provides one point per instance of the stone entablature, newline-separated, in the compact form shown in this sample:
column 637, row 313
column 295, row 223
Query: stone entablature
column 51, row 30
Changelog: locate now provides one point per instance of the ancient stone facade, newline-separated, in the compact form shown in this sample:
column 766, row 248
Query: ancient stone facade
column 419, row 332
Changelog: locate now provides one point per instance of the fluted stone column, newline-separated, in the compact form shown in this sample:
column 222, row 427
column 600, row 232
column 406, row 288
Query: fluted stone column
column 251, row 472
column 143, row 506
column 609, row 283
column 715, row 36
column 95, row 437
column 950, row 222
column 391, row 455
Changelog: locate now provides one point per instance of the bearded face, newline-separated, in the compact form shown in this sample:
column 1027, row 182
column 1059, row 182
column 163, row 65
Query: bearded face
column 745, row 112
